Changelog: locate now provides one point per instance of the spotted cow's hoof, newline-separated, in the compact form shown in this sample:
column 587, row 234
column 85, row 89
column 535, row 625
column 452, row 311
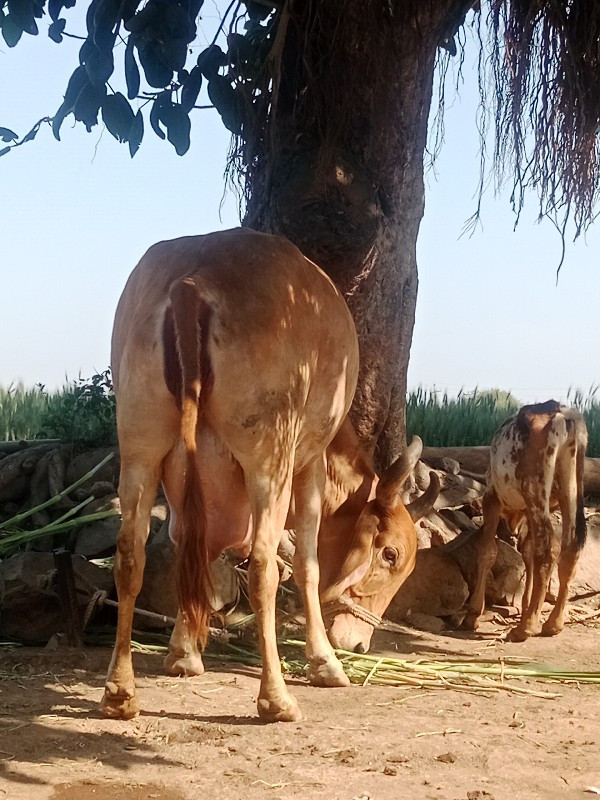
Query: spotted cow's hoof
column 471, row 622
column 118, row 704
column 328, row 673
column 523, row 632
column 552, row 627
column 284, row 710
column 184, row 665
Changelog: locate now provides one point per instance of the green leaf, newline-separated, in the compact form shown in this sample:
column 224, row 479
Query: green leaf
column 210, row 60
column 258, row 11
column 88, row 104
column 54, row 9
column 56, row 29
column 6, row 135
column 99, row 65
column 191, row 89
column 136, row 133
column 11, row 32
column 227, row 102
column 157, row 73
column 132, row 73
column 155, row 117
column 77, row 82
column 103, row 24
column 178, row 126
column 21, row 12
column 118, row 116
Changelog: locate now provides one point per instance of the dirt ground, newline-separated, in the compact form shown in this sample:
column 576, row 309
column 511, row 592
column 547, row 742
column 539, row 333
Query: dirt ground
column 199, row 737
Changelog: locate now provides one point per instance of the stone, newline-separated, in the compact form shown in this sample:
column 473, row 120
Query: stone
column 99, row 539
column 436, row 587
column 459, row 519
column 30, row 610
column 86, row 461
column 434, row 530
column 456, row 491
column 426, row 622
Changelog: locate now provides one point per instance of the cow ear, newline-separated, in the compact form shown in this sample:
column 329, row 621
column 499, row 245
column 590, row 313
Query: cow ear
column 390, row 484
column 424, row 503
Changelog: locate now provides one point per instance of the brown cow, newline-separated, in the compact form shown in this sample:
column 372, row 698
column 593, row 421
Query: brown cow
column 234, row 361
column 536, row 466
column 367, row 540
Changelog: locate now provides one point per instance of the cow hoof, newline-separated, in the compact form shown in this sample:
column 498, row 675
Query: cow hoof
column 517, row 635
column 551, row 628
column 184, row 665
column 119, row 705
column 470, row 622
column 274, row 711
column 331, row 673
column 520, row 633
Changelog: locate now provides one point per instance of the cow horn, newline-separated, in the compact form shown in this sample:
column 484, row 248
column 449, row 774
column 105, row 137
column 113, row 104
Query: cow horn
column 395, row 475
column 424, row 503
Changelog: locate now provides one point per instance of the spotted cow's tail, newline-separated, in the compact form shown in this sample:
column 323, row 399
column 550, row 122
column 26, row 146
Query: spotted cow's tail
column 190, row 320
column 580, row 523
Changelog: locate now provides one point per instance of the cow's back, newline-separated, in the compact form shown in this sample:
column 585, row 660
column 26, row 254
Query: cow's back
column 527, row 447
column 280, row 339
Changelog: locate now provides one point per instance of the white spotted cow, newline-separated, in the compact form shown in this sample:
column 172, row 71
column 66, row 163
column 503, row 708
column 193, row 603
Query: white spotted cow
column 536, row 466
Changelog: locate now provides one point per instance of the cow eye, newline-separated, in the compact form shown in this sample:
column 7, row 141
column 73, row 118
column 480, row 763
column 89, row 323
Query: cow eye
column 390, row 554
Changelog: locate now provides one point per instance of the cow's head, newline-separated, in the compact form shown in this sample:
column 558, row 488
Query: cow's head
column 379, row 541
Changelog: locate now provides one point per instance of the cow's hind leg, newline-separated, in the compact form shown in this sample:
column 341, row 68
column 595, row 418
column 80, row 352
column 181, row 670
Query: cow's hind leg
column 270, row 501
column 527, row 554
column 544, row 548
column 183, row 658
column 487, row 550
column 569, row 550
column 137, row 491
column 324, row 668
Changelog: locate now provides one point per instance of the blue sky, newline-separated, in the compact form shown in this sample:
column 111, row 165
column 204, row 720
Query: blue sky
column 77, row 215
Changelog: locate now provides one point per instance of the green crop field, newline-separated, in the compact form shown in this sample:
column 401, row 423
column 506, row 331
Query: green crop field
column 83, row 412
column 472, row 418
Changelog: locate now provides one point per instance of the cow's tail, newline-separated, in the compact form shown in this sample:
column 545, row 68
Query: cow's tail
column 190, row 317
column 580, row 523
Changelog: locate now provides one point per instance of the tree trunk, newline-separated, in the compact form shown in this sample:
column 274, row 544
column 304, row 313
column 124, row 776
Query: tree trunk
column 341, row 174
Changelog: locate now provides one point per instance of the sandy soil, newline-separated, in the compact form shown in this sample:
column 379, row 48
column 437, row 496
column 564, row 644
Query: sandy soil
column 199, row 737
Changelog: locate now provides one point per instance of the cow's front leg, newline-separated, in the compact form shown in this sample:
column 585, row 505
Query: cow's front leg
column 270, row 504
column 324, row 668
column 184, row 657
column 137, row 489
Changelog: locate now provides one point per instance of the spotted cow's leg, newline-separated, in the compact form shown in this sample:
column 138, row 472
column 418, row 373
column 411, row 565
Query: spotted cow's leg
column 137, row 490
column 324, row 668
column 270, row 501
column 487, row 550
column 545, row 549
column 527, row 553
column 569, row 551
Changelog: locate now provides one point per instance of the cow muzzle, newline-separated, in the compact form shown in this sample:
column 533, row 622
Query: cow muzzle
column 347, row 632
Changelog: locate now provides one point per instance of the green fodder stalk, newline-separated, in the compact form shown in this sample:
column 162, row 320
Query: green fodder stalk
column 21, row 411
column 589, row 405
column 470, row 419
column 82, row 412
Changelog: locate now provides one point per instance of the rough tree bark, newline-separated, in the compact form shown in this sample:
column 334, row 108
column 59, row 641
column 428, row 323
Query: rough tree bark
column 353, row 201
